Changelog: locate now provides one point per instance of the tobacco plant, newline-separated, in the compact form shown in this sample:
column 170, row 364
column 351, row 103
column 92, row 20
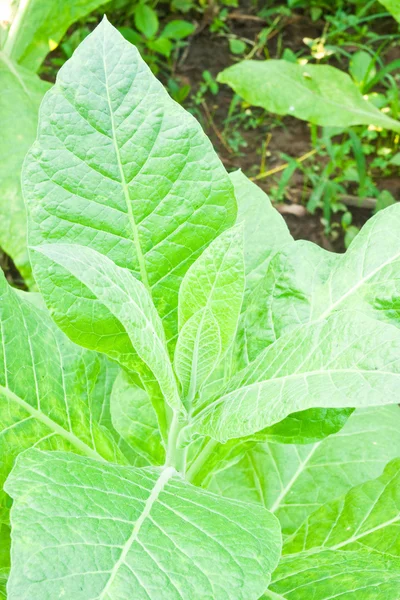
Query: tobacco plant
column 182, row 391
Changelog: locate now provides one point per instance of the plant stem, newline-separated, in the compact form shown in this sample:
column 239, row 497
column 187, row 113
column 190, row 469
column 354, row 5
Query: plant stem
column 176, row 457
column 14, row 28
column 200, row 459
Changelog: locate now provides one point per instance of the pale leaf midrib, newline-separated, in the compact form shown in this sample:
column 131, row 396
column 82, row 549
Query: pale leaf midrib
column 125, row 189
column 158, row 487
column 58, row 429
column 302, row 466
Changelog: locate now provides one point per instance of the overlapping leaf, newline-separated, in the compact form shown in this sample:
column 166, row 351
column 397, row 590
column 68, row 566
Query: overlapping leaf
column 111, row 311
column 210, row 300
column 120, row 168
column 294, row 480
column 347, row 360
column 82, row 529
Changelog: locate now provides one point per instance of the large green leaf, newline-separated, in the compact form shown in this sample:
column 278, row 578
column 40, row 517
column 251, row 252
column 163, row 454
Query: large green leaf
column 294, row 480
column 360, row 575
column 82, row 530
column 121, row 168
column 348, row 360
column 368, row 516
column 38, row 26
column 353, row 540
column 109, row 310
column 307, row 283
column 48, row 386
column 320, row 94
column 20, row 95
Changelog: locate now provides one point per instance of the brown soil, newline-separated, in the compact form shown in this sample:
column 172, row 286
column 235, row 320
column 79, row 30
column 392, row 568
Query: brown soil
column 287, row 135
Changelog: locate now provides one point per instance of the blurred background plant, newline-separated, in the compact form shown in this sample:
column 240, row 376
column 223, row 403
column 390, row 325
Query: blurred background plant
column 303, row 95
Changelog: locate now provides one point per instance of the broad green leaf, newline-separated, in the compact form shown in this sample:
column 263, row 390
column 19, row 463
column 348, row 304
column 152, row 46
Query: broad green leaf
column 82, row 529
column 367, row 517
column 295, row 480
column 107, row 309
column 207, row 458
column 265, row 233
column 38, row 26
column 393, row 6
column 215, row 282
column 20, row 97
column 307, row 283
column 197, row 352
column 134, row 418
column 346, row 361
column 47, row 386
column 360, row 575
column 121, row 168
column 320, row 94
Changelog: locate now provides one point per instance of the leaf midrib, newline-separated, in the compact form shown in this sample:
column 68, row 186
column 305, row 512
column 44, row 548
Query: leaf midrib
column 125, row 189
column 158, row 487
column 58, row 429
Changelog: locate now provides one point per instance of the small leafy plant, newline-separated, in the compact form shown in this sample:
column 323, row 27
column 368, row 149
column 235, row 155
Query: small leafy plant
column 187, row 394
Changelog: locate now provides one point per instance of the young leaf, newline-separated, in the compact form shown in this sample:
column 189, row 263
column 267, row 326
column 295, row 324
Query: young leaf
column 216, row 282
column 210, row 300
column 197, row 352
column 121, row 168
column 134, row 418
column 20, row 98
column 109, row 310
column 349, row 360
column 320, row 94
column 293, row 481
column 104, row 531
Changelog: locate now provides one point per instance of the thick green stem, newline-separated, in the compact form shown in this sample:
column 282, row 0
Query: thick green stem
column 176, row 457
column 200, row 459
